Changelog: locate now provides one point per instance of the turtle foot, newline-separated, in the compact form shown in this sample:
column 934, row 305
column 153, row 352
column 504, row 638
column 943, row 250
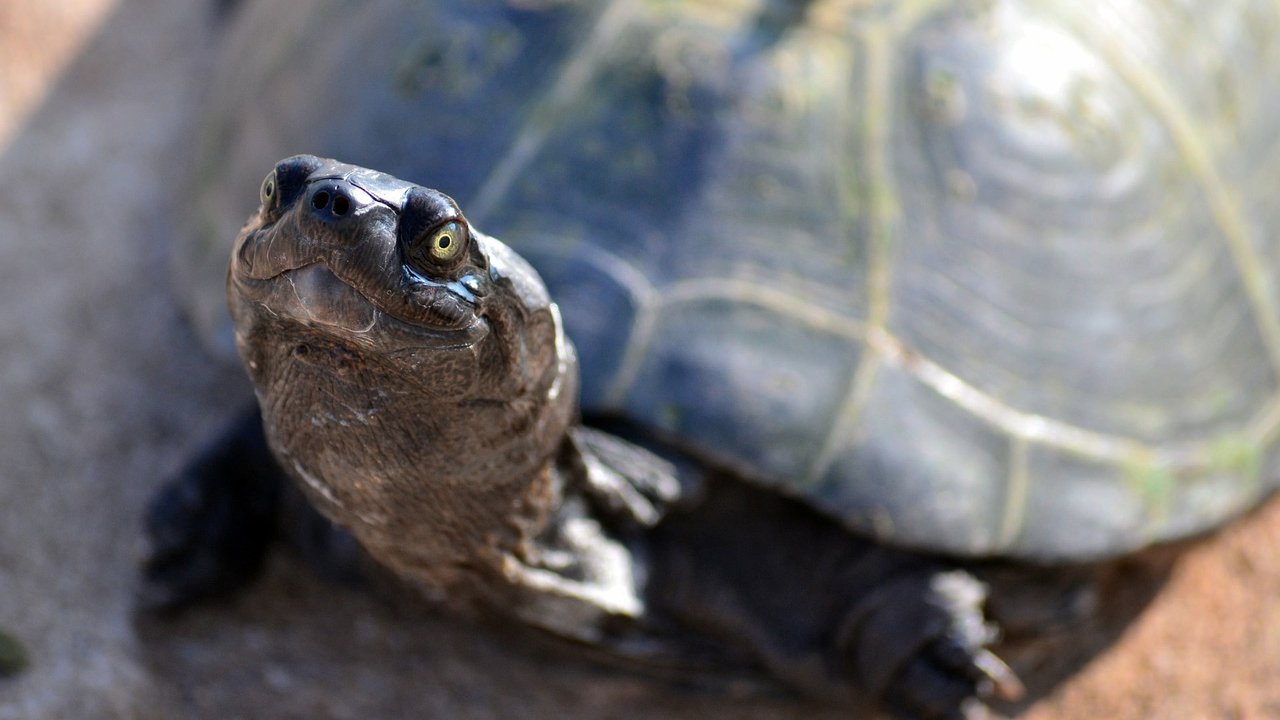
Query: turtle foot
column 209, row 527
column 627, row 483
column 921, row 644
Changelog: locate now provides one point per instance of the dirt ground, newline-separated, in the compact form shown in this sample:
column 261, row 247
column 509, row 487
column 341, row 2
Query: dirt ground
column 104, row 390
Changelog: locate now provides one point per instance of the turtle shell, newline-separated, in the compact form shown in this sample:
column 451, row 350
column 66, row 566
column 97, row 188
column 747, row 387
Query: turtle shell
column 989, row 278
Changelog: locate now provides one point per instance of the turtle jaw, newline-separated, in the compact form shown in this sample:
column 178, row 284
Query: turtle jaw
column 315, row 297
column 350, row 291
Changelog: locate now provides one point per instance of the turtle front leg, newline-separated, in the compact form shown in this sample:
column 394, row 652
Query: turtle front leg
column 587, row 569
column 830, row 614
column 627, row 484
column 210, row 526
column 649, row 557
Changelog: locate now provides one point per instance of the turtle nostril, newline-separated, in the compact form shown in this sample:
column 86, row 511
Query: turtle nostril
column 336, row 199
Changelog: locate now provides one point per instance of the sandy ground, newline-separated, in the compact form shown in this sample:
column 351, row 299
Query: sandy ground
column 104, row 390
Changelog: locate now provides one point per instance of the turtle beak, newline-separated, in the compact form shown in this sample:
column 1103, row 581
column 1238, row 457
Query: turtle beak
column 316, row 229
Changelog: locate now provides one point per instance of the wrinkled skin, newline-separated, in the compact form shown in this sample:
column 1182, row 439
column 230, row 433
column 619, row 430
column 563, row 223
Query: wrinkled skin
column 414, row 382
column 370, row 369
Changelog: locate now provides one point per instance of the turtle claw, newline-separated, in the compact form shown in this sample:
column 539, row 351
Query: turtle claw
column 626, row 482
column 973, row 709
column 1004, row 683
column 921, row 644
column 960, row 654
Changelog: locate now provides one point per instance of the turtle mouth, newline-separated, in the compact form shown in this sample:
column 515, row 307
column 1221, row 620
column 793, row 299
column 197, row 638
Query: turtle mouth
column 352, row 293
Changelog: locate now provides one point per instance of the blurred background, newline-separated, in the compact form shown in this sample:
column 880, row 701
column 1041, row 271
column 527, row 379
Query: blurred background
column 104, row 389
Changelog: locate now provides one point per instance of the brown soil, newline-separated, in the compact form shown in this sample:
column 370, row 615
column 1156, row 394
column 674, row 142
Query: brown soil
column 102, row 395
column 1208, row 647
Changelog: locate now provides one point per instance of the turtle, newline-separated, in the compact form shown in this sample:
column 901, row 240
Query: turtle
column 815, row 328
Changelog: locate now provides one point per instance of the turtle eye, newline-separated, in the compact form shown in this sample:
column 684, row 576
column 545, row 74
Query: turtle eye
column 434, row 237
column 445, row 242
column 269, row 194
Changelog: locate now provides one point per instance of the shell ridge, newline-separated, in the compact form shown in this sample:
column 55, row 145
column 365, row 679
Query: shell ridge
column 884, row 209
column 574, row 78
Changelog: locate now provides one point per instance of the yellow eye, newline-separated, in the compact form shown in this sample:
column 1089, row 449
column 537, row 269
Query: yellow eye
column 447, row 241
column 269, row 193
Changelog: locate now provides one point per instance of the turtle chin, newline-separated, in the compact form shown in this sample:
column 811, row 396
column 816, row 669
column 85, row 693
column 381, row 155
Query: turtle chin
column 314, row 296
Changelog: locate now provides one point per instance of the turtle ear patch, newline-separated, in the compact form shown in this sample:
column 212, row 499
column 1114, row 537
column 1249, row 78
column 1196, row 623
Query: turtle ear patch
column 433, row 234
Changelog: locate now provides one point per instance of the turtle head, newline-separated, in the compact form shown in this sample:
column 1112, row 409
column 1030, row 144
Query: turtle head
column 392, row 270
column 411, row 371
